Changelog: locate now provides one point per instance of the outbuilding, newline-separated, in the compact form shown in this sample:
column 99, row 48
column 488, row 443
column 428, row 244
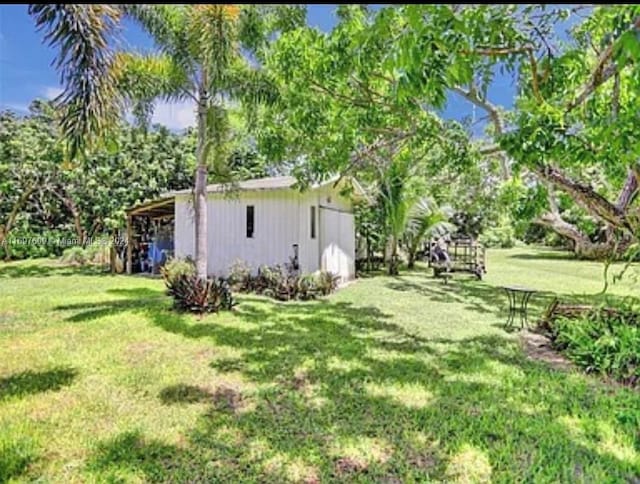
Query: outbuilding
column 265, row 221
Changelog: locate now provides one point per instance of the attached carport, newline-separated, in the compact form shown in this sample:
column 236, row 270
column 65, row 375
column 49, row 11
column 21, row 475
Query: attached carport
column 146, row 216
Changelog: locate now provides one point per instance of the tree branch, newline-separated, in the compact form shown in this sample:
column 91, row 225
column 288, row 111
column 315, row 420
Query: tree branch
column 602, row 72
column 585, row 196
column 473, row 97
column 524, row 49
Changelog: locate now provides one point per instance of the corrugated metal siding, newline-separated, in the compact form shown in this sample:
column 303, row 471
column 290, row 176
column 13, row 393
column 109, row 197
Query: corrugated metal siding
column 276, row 229
column 184, row 234
column 309, row 248
column 337, row 243
column 282, row 218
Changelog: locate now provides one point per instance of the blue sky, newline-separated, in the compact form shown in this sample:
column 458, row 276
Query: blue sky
column 26, row 72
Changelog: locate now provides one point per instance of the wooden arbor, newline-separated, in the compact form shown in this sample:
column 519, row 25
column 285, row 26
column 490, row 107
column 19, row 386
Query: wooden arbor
column 465, row 254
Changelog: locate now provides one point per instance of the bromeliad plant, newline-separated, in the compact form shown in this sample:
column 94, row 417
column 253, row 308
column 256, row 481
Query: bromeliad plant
column 282, row 283
column 192, row 293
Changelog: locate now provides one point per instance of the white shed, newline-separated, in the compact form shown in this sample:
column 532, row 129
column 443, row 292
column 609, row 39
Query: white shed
column 268, row 220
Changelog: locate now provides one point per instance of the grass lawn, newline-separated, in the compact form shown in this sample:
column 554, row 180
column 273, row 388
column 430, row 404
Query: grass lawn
column 389, row 380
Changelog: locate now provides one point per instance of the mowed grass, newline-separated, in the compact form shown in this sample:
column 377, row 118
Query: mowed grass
column 392, row 379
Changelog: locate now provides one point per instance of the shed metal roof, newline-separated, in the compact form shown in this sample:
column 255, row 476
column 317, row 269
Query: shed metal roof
column 268, row 183
column 165, row 201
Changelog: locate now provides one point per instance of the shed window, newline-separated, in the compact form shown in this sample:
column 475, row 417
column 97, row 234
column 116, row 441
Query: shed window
column 313, row 222
column 250, row 221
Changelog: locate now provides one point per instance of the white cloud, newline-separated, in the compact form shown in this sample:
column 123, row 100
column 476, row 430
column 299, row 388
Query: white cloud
column 173, row 115
column 176, row 116
column 17, row 107
column 51, row 92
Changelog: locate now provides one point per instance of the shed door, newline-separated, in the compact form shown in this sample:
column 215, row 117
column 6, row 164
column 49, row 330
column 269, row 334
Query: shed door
column 337, row 243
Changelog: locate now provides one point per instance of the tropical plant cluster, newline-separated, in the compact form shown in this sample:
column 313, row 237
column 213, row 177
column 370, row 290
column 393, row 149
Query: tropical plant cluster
column 283, row 283
column 194, row 294
column 603, row 341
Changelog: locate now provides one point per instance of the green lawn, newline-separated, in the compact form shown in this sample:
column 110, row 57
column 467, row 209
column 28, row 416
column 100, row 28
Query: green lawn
column 389, row 380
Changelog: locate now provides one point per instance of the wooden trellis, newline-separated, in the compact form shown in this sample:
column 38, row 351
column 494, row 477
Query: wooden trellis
column 466, row 255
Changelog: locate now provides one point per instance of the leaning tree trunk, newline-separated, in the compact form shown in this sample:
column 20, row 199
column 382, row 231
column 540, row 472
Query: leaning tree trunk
column 583, row 246
column 200, row 204
column 586, row 197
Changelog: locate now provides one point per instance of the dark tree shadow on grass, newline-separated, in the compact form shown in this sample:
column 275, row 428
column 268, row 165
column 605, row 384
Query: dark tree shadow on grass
column 545, row 254
column 181, row 393
column 30, row 382
column 472, row 294
column 9, row 270
column 340, row 392
column 136, row 299
column 334, row 376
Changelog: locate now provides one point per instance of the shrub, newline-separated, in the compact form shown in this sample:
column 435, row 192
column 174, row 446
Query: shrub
column 602, row 342
column 502, row 236
column 327, row 282
column 177, row 267
column 97, row 253
column 74, row 255
column 191, row 293
column 282, row 283
column 240, row 277
column 91, row 254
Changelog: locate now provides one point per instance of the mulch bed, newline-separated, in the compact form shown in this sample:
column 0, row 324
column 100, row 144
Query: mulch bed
column 538, row 347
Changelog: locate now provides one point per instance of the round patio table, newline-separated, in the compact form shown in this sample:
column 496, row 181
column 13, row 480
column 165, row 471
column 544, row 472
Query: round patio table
column 518, row 300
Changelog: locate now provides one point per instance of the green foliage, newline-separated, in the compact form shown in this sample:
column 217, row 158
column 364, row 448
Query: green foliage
column 370, row 233
column 45, row 199
column 176, row 267
column 502, row 235
column 281, row 283
column 74, row 255
column 97, row 253
column 426, row 220
column 15, row 457
column 603, row 342
column 194, row 294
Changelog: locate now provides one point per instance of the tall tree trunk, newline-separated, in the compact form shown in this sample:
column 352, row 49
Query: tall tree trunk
column 112, row 251
column 15, row 210
column 393, row 257
column 412, row 251
column 200, row 204
column 77, row 222
column 70, row 205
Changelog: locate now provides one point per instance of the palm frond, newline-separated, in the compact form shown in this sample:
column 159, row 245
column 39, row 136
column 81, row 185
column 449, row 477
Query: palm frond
column 212, row 41
column 427, row 219
column 166, row 26
column 141, row 79
column 253, row 87
column 81, row 34
column 151, row 76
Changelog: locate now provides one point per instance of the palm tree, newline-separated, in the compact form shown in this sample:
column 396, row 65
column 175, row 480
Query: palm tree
column 426, row 220
column 206, row 53
column 396, row 199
